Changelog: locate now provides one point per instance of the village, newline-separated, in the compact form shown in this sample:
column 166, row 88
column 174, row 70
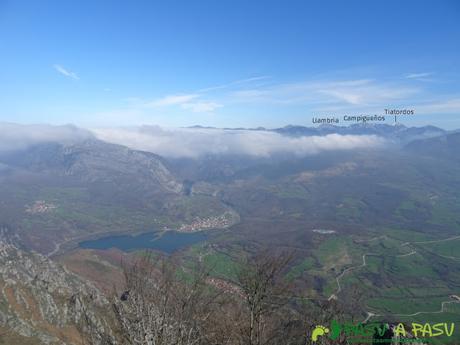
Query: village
column 40, row 206
column 217, row 222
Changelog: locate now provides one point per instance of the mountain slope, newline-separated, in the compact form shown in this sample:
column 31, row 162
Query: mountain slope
column 41, row 303
column 442, row 147
column 95, row 161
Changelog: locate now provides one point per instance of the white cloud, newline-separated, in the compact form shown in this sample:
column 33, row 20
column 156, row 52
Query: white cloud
column 317, row 94
column 418, row 75
column 185, row 142
column 350, row 95
column 66, row 72
column 233, row 83
column 188, row 142
column 191, row 102
column 201, row 107
column 342, row 92
column 198, row 105
column 354, row 98
column 17, row 137
column 450, row 106
column 171, row 100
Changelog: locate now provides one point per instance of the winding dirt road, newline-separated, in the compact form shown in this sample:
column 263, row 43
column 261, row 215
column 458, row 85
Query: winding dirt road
column 371, row 314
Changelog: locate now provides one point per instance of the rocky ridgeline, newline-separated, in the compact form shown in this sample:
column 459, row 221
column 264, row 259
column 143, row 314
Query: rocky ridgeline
column 43, row 303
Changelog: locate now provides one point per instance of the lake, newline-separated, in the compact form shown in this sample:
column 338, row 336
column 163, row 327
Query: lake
column 167, row 242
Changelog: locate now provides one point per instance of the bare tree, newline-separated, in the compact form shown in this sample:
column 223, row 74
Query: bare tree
column 161, row 304
column 159, row 307
column 264, row 293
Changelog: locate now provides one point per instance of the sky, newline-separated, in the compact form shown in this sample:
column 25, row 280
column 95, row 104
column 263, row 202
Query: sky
column 227, row 63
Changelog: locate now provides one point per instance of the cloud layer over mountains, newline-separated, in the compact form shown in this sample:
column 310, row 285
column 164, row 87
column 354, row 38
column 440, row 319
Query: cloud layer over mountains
column 185, row 142
column 17, row 137
column 195, row 142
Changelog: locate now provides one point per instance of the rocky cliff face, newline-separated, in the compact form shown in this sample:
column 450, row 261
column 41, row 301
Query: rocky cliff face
column 42, row 303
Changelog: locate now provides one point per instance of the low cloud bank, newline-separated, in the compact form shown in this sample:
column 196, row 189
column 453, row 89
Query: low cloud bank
column 18, row 137
column 185, row 142
column 193, row 142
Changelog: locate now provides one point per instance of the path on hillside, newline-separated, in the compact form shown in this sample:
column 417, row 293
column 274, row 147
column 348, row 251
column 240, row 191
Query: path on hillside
column 364, row 264
column 340, row 276
column 443, row 304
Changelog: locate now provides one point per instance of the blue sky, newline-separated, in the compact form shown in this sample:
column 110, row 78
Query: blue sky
column 227, row 63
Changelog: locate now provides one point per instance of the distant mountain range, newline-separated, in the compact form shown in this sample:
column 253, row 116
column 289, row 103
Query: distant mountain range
column 398, row 133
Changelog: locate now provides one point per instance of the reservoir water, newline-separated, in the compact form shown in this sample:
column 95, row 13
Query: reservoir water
column 167, row 242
